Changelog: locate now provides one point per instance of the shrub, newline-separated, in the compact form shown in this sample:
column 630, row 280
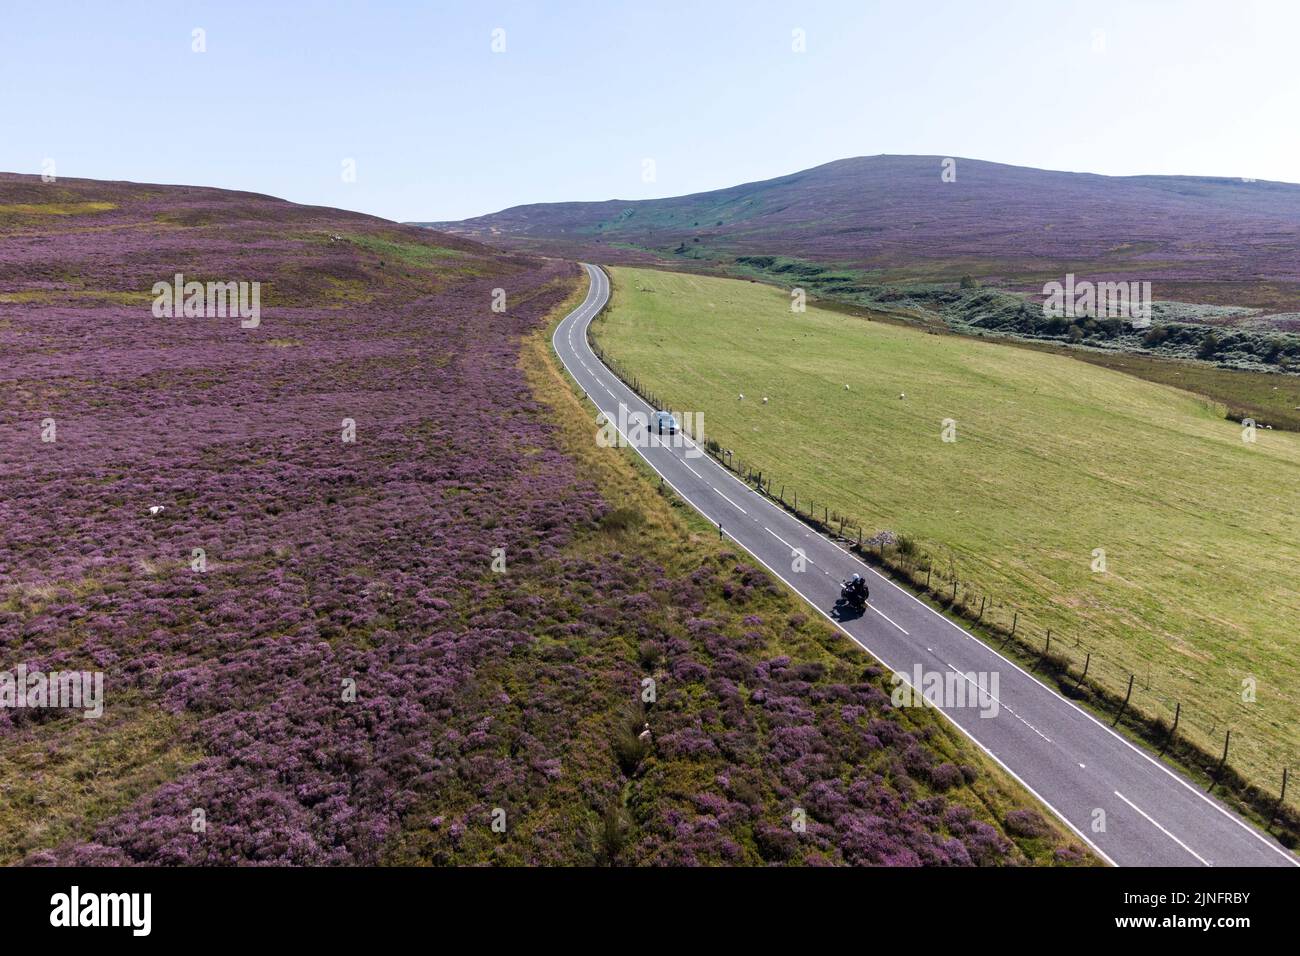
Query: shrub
column 621, row 519
column 649, row 653
column 629, row 751
column 1210, row 346
column 1026, row 823
column 945, row 776
column 615, row 826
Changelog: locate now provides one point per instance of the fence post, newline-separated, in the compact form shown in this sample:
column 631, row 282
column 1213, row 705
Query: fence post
column 719, row 530
column 1123, row 706
column 859, row 537
column 1280, row 797
column 983, row 597
column 1178, row 712
column 1222, row 760
column 1015, row 619
column 927, row 577
column 1086, row 661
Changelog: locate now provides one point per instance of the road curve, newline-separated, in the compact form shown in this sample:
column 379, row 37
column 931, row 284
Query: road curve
column 1132, row 809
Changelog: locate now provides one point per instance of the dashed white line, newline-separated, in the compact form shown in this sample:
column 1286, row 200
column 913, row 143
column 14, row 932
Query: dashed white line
column 887, row 618
column 730, row 502
column 1150, row 820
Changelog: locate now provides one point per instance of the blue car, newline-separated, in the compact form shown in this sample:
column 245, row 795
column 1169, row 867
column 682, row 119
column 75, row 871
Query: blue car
column 664, row 421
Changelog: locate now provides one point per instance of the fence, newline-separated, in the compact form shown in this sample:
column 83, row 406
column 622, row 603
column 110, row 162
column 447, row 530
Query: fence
column 1121, row 694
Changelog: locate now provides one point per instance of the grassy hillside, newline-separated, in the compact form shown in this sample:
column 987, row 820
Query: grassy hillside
column 1053, row 459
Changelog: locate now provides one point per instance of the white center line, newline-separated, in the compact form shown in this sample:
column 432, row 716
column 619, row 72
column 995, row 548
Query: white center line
column 1163, row 830
column 730, row 502
column 887, row 618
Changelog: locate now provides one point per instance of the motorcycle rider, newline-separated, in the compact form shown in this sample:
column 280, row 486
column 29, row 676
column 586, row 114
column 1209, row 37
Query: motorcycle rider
column 856, row 588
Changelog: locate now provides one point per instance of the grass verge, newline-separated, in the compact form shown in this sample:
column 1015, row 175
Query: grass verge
column 1127, row 518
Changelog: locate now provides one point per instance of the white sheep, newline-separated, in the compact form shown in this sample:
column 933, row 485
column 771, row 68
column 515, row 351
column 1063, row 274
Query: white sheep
column 764, row 399
column 742, row 397
column 156, row 510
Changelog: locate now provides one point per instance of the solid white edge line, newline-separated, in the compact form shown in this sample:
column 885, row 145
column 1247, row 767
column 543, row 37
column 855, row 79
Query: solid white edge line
column 992, row 756
column 1120, row 737
column 1280, row 851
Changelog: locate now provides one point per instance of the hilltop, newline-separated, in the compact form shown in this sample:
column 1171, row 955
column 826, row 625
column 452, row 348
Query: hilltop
column 894, row 219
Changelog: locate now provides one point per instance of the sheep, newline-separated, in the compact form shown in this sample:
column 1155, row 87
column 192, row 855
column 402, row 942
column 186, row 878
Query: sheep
column 742, row 397
column 764, row 399
column 156, row 510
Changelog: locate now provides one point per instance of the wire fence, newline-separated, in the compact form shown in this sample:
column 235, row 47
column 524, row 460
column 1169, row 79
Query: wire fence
column 1119, row 692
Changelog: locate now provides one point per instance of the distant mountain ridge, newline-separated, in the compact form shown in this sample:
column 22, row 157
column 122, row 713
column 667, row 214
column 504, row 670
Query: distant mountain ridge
column 1218, row 240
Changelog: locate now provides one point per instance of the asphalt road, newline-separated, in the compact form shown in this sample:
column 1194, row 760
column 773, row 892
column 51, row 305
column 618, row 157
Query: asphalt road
column 1130, row 808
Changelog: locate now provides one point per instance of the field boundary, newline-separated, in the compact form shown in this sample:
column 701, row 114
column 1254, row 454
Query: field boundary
column 1267, row 808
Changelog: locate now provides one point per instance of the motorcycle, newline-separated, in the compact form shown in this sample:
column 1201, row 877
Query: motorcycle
column 852, row 597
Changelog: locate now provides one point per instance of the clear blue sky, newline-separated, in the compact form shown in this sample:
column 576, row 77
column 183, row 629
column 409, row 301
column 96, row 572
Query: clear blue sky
column 441, row 127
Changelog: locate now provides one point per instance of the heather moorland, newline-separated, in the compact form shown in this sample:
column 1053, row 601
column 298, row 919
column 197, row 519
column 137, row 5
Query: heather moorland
column 363, row 590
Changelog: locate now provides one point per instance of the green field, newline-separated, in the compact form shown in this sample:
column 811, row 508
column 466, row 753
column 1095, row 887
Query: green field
column 1053, row 459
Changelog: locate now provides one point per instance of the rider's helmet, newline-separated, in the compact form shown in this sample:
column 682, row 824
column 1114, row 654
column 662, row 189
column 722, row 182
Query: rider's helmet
column 857, row 577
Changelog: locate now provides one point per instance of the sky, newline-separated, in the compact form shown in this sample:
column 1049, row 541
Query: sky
column 422, row 110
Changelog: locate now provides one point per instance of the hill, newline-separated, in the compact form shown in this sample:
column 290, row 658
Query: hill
column 894, row 219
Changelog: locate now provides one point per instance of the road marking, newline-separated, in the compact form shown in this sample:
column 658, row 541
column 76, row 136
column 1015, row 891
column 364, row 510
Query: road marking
column 730, row 502
column 887, row 617
column 1148, row 818
column 597, row 279
column 781, row 539
column 1058, row 698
